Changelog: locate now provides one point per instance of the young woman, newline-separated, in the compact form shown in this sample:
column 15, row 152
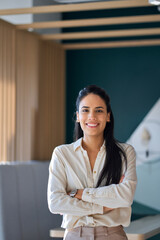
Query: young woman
column 92, row 180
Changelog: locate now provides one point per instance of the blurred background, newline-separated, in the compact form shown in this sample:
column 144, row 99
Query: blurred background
column 42, row 70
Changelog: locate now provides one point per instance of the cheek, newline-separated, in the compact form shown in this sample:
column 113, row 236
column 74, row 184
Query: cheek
column 104, row 122
column 103, row 119
column 82, row 117
column 82, row 122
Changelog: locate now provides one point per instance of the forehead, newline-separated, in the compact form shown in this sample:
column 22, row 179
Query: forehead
column 92, row 100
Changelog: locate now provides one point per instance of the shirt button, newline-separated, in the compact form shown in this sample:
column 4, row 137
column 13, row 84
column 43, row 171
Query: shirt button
column 94, row 171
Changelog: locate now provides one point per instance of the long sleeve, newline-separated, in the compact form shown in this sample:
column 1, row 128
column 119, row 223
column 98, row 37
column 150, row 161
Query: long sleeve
column 58, row 200
column 116, row 195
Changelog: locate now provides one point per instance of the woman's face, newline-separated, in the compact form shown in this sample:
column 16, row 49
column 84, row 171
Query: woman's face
column 93, row 115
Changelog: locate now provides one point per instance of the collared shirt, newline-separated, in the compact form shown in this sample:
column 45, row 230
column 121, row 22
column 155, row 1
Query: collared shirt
column 70, row 169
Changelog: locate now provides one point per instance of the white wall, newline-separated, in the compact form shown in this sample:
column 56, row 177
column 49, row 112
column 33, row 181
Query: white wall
column 148, row 187
column 16, row 19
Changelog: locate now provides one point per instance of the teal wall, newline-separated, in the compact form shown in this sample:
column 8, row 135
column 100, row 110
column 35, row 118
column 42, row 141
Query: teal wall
column 131, row 77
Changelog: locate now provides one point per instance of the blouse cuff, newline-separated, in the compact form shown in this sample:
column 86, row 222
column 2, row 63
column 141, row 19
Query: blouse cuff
column 97, row 209
column 88, row 194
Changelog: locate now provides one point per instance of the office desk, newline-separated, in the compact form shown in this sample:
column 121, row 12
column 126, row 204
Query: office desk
column 140, row 229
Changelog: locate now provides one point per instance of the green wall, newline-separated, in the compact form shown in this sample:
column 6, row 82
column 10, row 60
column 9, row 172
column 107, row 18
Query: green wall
column 131, row 77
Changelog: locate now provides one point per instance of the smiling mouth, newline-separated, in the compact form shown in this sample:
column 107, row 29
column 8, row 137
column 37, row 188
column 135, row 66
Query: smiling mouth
column 92, row 125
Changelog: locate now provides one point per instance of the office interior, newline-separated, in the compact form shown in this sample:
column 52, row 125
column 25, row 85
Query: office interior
column 42, row 69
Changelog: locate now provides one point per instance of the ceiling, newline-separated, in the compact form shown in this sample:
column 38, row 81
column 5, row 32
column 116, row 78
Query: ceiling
column 100, row 24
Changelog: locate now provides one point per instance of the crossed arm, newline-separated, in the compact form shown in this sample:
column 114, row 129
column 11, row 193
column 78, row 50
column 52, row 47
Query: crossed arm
column 80, row 193
column 90, row 200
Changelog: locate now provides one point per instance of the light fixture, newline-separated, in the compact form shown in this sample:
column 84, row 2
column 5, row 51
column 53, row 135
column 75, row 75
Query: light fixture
column 30, row 29
column 154, row 2
column 145, row 139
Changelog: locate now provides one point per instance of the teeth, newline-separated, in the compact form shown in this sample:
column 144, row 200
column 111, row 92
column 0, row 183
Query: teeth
column 92, row 125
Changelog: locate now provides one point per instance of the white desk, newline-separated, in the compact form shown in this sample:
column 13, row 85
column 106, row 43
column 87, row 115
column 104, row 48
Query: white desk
column 140, row 229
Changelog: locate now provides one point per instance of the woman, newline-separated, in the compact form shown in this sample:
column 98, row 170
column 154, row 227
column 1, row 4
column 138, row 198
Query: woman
column 92, row 180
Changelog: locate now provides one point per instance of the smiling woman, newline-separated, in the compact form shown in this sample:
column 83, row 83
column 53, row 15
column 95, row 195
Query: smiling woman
column 92, row 115
column 92, row 180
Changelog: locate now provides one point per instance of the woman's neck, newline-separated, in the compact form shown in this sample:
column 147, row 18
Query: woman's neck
column 92, row 143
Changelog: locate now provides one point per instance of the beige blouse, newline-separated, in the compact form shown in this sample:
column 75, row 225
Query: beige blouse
column 70, row 169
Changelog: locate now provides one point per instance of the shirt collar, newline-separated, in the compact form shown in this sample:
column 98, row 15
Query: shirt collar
column 78, row 144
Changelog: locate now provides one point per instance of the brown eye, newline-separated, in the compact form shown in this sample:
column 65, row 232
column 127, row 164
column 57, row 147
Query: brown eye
column 99, row 111
column 85, row 110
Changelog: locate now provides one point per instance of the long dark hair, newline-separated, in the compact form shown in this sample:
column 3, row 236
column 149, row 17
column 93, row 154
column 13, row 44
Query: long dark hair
column 112, row 169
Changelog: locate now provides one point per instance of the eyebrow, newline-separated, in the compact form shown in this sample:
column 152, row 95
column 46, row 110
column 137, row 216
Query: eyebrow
column 95, row 107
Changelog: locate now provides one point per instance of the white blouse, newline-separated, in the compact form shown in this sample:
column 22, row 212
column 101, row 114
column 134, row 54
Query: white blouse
column 70, row 169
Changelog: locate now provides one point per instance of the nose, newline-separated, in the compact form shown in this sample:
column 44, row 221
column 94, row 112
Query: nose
column 92, row 115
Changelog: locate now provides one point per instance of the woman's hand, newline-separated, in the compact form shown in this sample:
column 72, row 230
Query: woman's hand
column 106, row 209
column 121, row 180
column 79, row 194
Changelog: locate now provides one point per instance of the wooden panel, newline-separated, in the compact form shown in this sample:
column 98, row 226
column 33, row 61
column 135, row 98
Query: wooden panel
column 51, row 115
column 91, row 22
column 7, row 92
column 32, row 106
column 40, row 97
column 135, row 43
column 77, row 7
column 27, row 94
column 103, row 34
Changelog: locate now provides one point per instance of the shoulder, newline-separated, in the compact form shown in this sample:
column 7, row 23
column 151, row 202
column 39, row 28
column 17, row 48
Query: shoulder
column 128, row 149
column 126, row 146
column 64, row 148
column 130, row 155
column 69, row 148
column 61, row 153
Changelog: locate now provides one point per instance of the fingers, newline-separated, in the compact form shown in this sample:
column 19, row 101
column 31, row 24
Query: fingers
column 121, row 180
column 106, row 209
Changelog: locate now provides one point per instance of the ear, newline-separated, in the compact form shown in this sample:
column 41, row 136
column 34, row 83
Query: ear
column 108, row 117
column 77, row 113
